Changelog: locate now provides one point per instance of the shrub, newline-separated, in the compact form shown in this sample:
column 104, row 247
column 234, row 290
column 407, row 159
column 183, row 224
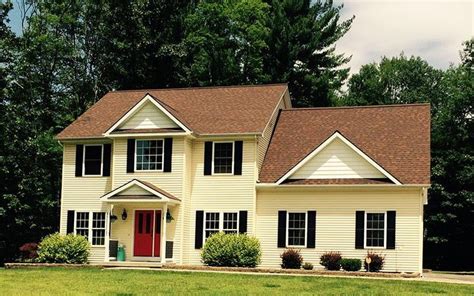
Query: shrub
column 236, row 250
column 291, row 259
column 351, row 264
column 29, row 251
column 308, row 266
column 376, row 263
column 331, row 260
column 56, row 248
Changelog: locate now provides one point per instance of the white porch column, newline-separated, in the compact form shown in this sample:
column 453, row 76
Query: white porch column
column 163, row 234
column 108, row 231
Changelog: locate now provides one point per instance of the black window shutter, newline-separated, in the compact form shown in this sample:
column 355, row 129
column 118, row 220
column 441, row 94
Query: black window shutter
column 70, row 222
column 238, row 157
column 243, row 222
column 107, row 158
column 79, row 159
column 311, row 235
column 130, row 155
column 391, row 221
column 199, row 225
column 359, row 231
column 168, row 154
column 208, row 158
column 281, row 229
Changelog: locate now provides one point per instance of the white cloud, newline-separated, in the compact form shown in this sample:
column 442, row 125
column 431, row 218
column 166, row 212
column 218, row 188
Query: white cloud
column 433, row 30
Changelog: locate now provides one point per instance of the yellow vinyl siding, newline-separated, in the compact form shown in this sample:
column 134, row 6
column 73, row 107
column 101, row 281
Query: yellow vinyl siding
column 335, row 223
column 149, row 116
column 337, row 161
column 81, row 194
column 219, row 193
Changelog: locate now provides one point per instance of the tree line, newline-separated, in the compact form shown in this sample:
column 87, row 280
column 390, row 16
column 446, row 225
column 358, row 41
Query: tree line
column 70, row 53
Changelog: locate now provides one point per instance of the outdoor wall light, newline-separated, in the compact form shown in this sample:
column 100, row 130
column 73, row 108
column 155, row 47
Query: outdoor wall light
column 113, row 218
column 169, row 218
column 124, row 215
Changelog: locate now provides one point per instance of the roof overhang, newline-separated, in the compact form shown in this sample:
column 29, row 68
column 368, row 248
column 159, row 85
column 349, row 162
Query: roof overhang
column 147, row 98
column 337, row 135
column 156, row 195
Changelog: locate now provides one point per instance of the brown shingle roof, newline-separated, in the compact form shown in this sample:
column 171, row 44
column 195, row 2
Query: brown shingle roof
column 205, row 110
column 397, row 137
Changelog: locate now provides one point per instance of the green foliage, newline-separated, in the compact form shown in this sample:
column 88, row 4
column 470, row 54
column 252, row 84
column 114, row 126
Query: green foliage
column 331, row 260
column 291, row 259
column 308, row 266
column 351, row 264
column 377, row 262
column 235, row 250
column 57, row 248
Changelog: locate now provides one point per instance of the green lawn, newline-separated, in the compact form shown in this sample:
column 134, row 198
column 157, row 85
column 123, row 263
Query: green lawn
column 60, row 281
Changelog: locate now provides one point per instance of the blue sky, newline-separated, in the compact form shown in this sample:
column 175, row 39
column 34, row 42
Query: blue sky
column 431, row 29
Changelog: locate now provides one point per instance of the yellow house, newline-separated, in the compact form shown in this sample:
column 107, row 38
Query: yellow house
column 159, row 171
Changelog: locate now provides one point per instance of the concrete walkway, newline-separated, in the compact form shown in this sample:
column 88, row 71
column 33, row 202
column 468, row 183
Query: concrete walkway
column 448, row 278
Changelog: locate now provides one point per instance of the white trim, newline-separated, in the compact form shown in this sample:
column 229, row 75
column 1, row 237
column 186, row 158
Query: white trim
column 101, row 160
column 131, row 112
column 275, row 111
column 233, row 157
column 318, row 149
column 288, row 229
column 384, row 230
column 162, row 155
column 163, row 198
column 142, row 135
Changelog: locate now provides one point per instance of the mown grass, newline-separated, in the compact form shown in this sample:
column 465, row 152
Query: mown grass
column 61, row 281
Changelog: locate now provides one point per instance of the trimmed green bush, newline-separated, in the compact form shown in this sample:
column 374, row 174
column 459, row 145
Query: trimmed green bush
column 351, row 264
column 57, row 248
column 291, row 259
column 377, row 262
column 234, row 250
column 331, row 260
column 307, row 266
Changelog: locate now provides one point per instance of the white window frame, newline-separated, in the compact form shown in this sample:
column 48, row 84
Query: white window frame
column 162, row 155
column 221, row 222
column 233, row 157
column 101, row 160
column 288, row 229
column 384, row 231
column 237, row 221
column 91, row 220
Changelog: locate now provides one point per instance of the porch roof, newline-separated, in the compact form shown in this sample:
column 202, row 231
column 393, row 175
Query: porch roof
column 151, row 193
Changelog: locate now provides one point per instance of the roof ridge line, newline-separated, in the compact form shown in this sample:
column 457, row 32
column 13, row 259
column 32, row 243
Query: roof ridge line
column 356, row 107
column 200, row 87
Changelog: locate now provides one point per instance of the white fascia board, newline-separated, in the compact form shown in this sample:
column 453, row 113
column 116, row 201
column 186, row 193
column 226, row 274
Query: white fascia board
column 328, row 141
column 131, row 112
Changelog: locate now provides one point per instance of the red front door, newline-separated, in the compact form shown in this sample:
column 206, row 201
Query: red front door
column 143, row 242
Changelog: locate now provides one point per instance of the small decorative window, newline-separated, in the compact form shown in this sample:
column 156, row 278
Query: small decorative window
column 223, row 157
column 149, row 155
column 92, row 165
column 82, row 224
column 375, row 230
column 212, row 224
column 230, row 223
column 98, row 229
column 92, row 223
column 296, row 229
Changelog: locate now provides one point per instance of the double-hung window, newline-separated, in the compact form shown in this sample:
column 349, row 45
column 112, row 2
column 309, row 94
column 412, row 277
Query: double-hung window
column 93, row 155
column 149, row 155
column 223, row 158
column 221, row 221
column 375, row 230
column 296, row 229
column 92, row 225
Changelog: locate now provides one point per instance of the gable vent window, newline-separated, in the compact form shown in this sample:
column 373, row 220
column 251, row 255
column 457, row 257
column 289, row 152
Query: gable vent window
column 223, row 157
column 296, row 229
column 375, row 230
column 149, row 155
column 92, row 165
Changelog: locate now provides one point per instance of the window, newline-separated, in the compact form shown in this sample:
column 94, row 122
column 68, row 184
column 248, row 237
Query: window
column 223, row 157
column 92, row 160
column 228, row 224
column 91, row 223
column 212, row 224
column 296, row 229
column 375, row 230
column 149, row 155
